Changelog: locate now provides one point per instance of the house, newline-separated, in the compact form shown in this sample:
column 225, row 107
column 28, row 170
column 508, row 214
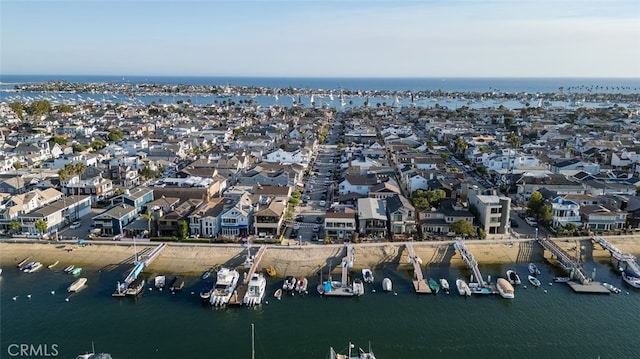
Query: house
column 57, row 214
column 169, row 223
column 268, row 220
column 372, row 217
column 357, row 184
column 565, row 211
column 138, row 197
column 13, row 185
column 205, row 220
column 439, row 220
column 235, row 222
column 95, row 186
column 401, row 215
column 112, row 221
column 340, row 223
column 493, row 210
column 384, row 190
column 601, row 218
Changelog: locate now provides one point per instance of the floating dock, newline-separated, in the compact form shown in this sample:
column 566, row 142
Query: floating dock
column 138, row 266
column 419, row 284
column 476, row 283
column 566, row 261
column 623, row 260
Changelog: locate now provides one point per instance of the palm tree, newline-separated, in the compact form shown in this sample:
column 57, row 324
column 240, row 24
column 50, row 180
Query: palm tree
column 149, row 217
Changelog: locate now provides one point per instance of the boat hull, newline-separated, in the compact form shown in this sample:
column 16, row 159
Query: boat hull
column 632, row 281
column 534, row 281
column 387, row 285
column 505, row 289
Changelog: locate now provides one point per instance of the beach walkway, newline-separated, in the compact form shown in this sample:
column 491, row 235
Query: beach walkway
column 419, row 284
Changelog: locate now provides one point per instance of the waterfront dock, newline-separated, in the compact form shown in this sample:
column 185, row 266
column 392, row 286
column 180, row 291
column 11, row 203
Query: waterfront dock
column 419, row 284
column 476, row 283
column 241, row 290
column 140, row 262
column 622, row 260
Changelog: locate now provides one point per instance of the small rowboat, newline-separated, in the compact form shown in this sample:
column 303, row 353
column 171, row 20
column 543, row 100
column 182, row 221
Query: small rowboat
column 534, row 281
column 53, row 264
column 278, row 293
column 271, row 271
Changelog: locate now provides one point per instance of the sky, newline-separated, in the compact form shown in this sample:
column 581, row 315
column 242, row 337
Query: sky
column 328, row 38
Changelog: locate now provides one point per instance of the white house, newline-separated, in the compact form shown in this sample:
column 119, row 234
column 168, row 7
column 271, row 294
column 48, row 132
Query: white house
column 565, row 211
column 301, row 156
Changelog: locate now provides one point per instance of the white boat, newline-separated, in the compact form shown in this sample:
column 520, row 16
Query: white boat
column 35, row 267
column 513, row 277
column 68, row 269
column 256, row 290
column 505, row 288
column 50, row 266
column 367, row 275
column 336, row 289
column 533, row 269
column 561, row 279
column 631, row 280
column 301, row 285
column 26, row 267
column 611, row 288
column 534, row 281
column 358, row 287
column 387, row 286
column 361, row 354
column 226, row 282
column 463, row 287
column 77, row 284
column 160, row 281
column 289, row 283
column 444, row 284
column 278, row 294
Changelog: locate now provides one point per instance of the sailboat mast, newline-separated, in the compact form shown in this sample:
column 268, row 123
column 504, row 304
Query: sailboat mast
column 253, row 352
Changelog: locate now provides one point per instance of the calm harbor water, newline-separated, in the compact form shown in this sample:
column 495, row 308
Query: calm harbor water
column 555, row 324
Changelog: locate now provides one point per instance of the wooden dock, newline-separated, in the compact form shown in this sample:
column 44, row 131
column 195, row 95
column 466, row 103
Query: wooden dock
column 419, row 284
column 566, row 261
column 238, row 295
column 588, row 288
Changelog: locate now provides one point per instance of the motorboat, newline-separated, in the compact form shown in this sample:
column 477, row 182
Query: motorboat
column 278, row 294
column 367, row 275
column 26, row 267
column 534, row 281
column 301, row 285
column 256, row 290
column 176, row 284
column 205, row 292
column 135, row 287
column 533, row 269
column 226, row 282
column 435, row 287
column 444, row 284
column 387, row 286
column 289, row 283
column 361, row 354
column 358, row 287
column 561, row 279
column 69, row 268
column 463, row 287
column 505, row 288
column 23, row 262
column 513, row 277
column 76, row 271
column 336, row 289
column 612, row 288
column 206, row 274
column 159, row 281
column 77, row 285
column 36, row 266
column 50, row 266
column 631, row 279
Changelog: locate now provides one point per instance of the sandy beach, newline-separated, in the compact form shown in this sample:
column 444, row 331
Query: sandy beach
column 295, row 260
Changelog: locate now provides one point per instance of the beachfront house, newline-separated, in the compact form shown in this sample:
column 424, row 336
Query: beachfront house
column 169, row 223
column 372, row 218
column 439, row 221
column 401, row 216
column 56, row 214
column 493, row 210
column 565, row 211
column 340, row 223
column 268, row 221
column 235, row 222
column 112, row 221
column 205, row 220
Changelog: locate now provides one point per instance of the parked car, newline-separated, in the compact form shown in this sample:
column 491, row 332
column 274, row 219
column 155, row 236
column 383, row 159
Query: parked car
column 316, row 228
column 318, row 219
column 514, row 223
column 75, row 225
column 531, row 221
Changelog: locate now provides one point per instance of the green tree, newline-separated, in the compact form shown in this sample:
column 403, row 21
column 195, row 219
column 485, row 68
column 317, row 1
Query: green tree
column 514, row 140
column 63, row 108
column 460, row 146
column 61, row 140
column 15, row 226
column 78, row 147
column 41, row 226
column 17, row 165
column 183, row 230
column 463, row 228
column 149, row 217
column 115, row 135
column 98, row 145
column 147, row 173
column 537, row 207
column 444, row 156
column 18, row 108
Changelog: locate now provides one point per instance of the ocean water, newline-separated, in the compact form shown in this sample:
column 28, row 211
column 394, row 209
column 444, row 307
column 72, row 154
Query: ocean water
column 547, row 322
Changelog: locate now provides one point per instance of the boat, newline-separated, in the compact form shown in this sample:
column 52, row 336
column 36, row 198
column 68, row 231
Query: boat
column 444, row 284
column 433, row 284
column 226, row 281
column 612, row 288
column 135, row 287
column 77, row 285
column 176, row 284
column 69, row 268
column 301, row 284
column 335, row 288
column 271, row 271
column 160, row 281
column 358, row 287
column 533, row 269
column 361, row 354
column 36, row 266
column 505, row 288
column 631, row 279
column 207, row 273
column 278, row 294
column 256, row 290
column 561, row 279
column 463, row 287
column 387, row 286
column 289, row 283
column 23, row 262
column 534, row 281
column 367, row 275
column 76, row 271
column 93, row 355
column 513, row 277
column 26, row 267
column 50, row 266
column 205, row 292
